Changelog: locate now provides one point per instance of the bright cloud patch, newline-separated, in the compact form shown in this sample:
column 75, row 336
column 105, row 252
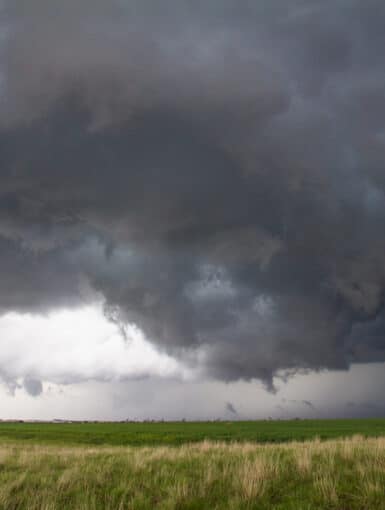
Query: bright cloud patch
column 74, row 346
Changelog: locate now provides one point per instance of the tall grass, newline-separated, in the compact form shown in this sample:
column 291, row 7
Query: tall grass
column 337, row 474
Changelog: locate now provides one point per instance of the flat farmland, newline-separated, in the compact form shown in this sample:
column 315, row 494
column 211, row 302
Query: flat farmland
column 178, row 433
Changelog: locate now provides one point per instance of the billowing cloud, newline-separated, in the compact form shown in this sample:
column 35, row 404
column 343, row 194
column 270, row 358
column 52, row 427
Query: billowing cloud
column 214, row 171
column 75, row 346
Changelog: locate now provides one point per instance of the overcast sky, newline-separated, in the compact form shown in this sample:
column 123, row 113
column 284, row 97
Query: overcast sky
column 192, row 208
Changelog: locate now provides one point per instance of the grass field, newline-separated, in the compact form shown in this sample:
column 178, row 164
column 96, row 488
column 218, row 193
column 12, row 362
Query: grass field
column 336, row 474
column 177, row 433
column 296, row 465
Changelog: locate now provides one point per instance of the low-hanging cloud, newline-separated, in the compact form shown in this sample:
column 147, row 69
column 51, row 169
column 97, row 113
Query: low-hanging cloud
column 214, row 171
column 33, row 387
column 230, row 408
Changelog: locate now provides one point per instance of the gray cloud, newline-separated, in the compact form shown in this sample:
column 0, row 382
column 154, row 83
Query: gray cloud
column 230, row 408
column 365, row 409
column 32, row 386
column 9, row 383
column 214, row 171
column 306, row 403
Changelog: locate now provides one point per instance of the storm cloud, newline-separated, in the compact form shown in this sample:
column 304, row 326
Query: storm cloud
column 215, row 171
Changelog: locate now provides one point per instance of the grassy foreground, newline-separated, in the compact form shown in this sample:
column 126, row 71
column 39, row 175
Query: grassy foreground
column 336, row 474
column 177, row 433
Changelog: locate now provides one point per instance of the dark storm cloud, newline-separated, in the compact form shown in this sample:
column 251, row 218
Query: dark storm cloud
column 215, row 171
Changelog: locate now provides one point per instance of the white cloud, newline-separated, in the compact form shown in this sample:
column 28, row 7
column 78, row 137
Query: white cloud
column 75, row 346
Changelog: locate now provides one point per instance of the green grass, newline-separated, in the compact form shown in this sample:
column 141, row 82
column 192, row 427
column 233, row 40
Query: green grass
column 190, row 466
column 177, row 433
column 316, row 475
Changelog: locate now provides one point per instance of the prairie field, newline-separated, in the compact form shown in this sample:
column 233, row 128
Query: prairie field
column 340, row 474
column 178, row 433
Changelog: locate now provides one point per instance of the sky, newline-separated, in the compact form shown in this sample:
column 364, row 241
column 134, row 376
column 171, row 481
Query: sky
column 192, row 209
